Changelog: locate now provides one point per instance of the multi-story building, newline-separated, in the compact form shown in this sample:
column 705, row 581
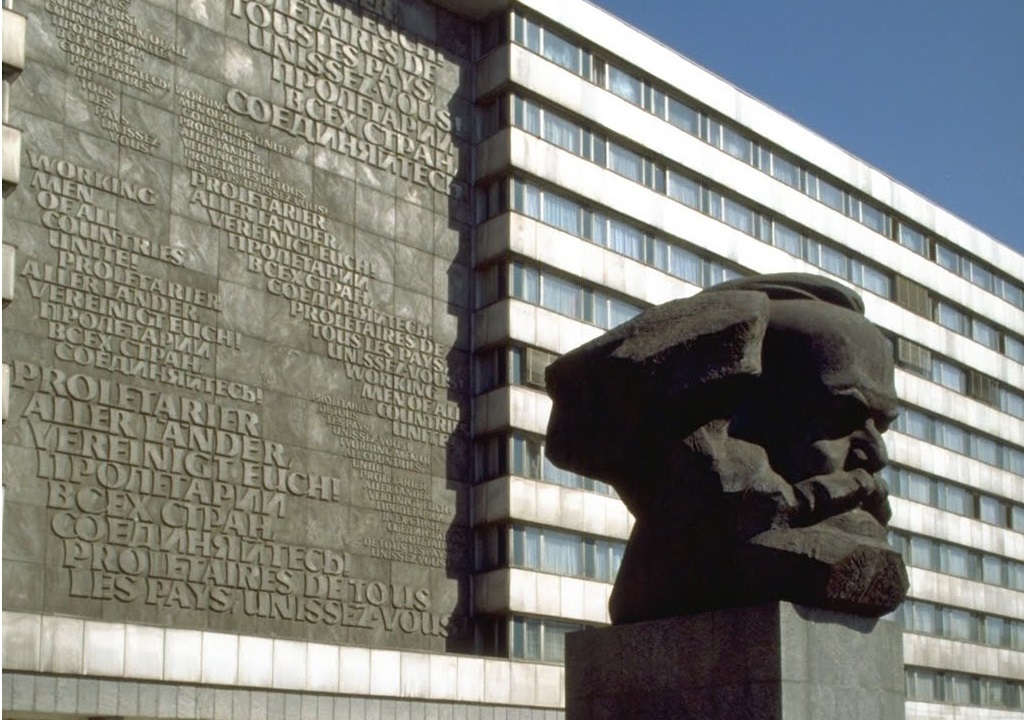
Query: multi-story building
column 357, row 517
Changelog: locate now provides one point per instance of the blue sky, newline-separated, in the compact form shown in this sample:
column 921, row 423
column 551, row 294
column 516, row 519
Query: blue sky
column 929, row 91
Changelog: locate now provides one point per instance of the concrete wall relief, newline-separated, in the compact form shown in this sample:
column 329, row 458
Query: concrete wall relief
column 239, row 346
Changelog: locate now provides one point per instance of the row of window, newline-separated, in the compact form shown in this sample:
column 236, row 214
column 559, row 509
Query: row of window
column 623, row 237
column 503, row 365
column 540, row 640
column 524, row 638
column 543, row 640
column 732, row 140
column 965, row 381
column 518, row 365
column 915, row 486
column 944, row 557
column 941, row 432
column 547, row 550
column 919, row 299
column 515, row 365
column 553, row 291
column 607, row 231
column 930, row 685
column 959, row 624
column 523, row 455
column 695, row 193
column 680, row 186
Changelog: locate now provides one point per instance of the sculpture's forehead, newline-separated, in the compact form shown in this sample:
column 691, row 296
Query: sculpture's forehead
column 815, row 342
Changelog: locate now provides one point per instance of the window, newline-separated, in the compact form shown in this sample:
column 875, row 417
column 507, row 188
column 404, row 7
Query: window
column 833, row 261
column 683, row 117
column 913, row 297
column 914, row 357
column 526, row 32
column 912, row 239
column 830, row 195
column 685, row 266
column 1011, row 403
column 984, row 449
column 654, row 101
column 711, row 203
column 923, row 618
column 949, row 375
column 540, row 640
column 736, row 145
column 711, row 131
column 561, row 213
column 625, row 240
column 996, row 631
column 1013, row 348
column 785, row 171
column 625, row 162
column 684, row 190
column 959, row 624
column 739, row 216
column 978, row 275
column 952, row 319
column 489, row 548
column 561, row 295
column 625, row 85
column 993, row 570
column 952, row 437
column 920, row 488
column 870, row 278
column 947, row 258
column 534, row 367
column 985, row 334
column 526, row 283
column 874, row 219
column 915, row 424
column 489, row 370
column 956, row 499
column 523, row 455
column 1013, row 294
column 564, row 553
column 562, row 133
column 561, row 52
column 921, row 685
column 923, row 553
column 992, row 511
column 958, row 561
column 488, row 285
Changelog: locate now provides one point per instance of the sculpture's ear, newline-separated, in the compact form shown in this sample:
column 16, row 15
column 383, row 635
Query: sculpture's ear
column 680, row 360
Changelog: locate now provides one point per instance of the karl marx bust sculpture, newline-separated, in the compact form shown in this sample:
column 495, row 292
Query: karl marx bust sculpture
column 742, row 428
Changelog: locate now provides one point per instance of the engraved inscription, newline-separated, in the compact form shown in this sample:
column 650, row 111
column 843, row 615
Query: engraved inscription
column 417, row 525
column 180, row 503
column 104, row 305
column 354, row 84
column 106, row 46
column 192, row 467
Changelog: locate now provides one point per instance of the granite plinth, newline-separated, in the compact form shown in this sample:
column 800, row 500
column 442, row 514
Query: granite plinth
column 776, row 661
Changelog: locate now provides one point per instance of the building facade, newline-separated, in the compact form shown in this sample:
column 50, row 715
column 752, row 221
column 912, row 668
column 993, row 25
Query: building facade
column 281, row 279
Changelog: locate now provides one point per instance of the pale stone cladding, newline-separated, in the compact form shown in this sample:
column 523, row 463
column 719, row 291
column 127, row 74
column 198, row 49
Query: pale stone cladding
column 668, row 153
column 495, row 184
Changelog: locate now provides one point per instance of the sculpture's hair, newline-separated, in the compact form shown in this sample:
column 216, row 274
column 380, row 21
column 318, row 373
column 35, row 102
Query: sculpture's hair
column 796, row 286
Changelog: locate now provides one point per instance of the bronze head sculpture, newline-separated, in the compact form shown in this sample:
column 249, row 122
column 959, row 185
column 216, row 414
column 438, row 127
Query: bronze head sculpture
column 742, row 428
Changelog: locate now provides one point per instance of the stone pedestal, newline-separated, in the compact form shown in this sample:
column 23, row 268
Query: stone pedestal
column 768, row 662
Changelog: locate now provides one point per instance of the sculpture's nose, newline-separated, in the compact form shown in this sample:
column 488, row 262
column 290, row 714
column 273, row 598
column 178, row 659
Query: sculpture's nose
column 867, row 449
